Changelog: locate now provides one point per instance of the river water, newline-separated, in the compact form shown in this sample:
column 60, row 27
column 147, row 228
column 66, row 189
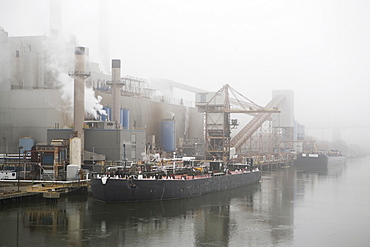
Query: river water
column 287, row 208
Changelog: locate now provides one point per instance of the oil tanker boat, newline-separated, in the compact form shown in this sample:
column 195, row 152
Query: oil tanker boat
column 166, row 183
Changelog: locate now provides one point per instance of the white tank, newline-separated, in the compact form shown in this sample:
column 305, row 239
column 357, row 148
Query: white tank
column 72, row 172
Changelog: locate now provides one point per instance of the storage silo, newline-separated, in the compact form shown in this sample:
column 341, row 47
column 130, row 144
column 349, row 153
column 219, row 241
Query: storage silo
column 125, row 118
column 26, row 143
column 168, row 135
column 72, row 172
column 108, row 111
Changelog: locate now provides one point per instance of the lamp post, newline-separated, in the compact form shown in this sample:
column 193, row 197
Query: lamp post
column 124, row 159
column 24, row 165
column 6, row 146
column 19, row 161
column 93, row 156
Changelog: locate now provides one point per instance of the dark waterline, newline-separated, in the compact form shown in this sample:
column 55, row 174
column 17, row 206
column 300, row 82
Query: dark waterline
column 287, row 208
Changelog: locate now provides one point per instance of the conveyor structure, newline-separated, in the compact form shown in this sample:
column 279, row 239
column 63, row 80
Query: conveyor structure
column 238, row 140
column 217, row 107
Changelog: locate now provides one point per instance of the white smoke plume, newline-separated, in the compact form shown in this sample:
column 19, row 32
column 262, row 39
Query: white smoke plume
column 92, row 103
column 59, row 56
column 170, row 114
column 150, row 157
column 60, row 59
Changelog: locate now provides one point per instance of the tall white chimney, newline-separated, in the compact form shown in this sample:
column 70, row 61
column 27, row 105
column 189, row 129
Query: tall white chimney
column 79, row 75
column 103, row 34
column 116, row 90
column 55, row 18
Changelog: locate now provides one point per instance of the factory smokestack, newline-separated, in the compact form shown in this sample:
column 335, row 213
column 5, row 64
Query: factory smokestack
column 116, row 90
column 55, row 18
column 79, row 75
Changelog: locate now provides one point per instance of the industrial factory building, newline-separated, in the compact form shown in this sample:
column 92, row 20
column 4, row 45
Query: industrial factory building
column 118, row 118
column 36, row 103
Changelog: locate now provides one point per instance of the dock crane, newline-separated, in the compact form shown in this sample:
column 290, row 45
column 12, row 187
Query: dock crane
column 217, row 107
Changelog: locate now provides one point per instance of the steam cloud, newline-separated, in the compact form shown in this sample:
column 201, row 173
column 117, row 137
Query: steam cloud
column 60, row 56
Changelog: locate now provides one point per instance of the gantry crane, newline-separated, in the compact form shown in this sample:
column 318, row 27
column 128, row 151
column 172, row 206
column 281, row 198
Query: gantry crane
column 217, row 108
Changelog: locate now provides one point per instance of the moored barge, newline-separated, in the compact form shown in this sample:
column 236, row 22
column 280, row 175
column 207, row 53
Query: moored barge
column 141, row 188
column 319, row 160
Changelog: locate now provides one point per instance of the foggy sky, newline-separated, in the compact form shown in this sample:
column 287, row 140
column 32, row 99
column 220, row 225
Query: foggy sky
column 320, row 49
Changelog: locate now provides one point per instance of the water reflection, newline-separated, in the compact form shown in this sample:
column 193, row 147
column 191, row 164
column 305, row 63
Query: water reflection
column 39, row 224
column 325, row 170
column 196, row 221
column 276, row 205
column 261, row 214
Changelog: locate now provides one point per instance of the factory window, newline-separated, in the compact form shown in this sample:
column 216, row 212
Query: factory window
column 17, row 53
column 133, row 152
column 133, row 138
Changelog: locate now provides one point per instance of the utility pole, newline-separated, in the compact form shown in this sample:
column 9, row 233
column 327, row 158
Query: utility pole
column 19, row 162
column 93, row 155
column 124, row 159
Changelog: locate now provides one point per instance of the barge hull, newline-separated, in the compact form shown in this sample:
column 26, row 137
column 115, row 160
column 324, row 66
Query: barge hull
column 318, row 161
column 135, row 190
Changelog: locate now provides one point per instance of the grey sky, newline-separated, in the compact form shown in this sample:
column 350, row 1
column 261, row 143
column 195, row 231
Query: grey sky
column 320, row 49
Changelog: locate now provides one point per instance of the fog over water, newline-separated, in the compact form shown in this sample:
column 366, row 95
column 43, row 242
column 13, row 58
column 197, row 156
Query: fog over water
column 319, row 49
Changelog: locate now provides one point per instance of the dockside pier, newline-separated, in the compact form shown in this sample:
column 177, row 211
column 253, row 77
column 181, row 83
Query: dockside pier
column 14, row 191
